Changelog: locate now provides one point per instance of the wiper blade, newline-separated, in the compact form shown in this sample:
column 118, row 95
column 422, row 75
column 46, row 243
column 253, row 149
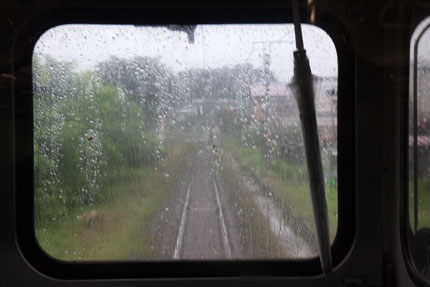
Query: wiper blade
column 303, row 82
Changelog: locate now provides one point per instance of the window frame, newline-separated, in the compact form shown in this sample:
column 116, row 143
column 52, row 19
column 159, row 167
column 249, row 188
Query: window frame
column 407, row 235
column 24, row 154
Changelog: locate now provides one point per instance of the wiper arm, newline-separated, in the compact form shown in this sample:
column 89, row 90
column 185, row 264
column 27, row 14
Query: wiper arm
column 306, row 103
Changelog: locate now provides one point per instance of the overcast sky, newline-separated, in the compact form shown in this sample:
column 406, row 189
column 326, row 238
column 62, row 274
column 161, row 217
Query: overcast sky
column 424, row 46
column 424, row 43
column 214, row 46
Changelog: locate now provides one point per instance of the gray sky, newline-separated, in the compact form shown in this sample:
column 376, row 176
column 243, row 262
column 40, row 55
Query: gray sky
column 424, row 43
column 214, row 46
column 424, row 46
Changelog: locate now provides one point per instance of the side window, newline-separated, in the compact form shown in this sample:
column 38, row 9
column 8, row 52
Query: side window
column 419, row 150
column 154, row 144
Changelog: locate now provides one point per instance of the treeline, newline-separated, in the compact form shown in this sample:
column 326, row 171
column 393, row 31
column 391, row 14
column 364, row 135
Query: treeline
column 94, row 129
column 224, row 82
column 90, row 132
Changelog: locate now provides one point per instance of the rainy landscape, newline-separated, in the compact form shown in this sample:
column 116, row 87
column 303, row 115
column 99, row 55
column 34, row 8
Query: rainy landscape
column 177, row 147
column 419, row 163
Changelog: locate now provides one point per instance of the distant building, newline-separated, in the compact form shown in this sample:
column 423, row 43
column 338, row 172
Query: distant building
column 276, row 106
column 276, row 102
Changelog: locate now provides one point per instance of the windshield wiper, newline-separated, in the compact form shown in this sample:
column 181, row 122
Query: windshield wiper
column 303, row 81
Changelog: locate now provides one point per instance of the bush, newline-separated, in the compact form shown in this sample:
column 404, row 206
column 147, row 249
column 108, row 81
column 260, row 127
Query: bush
column 88, row 136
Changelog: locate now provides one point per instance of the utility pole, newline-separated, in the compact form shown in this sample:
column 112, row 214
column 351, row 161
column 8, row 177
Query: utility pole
column 265, row 100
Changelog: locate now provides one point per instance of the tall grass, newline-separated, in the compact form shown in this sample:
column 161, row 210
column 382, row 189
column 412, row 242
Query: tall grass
column 423, row 203
column 289, row 183
column 117, row 231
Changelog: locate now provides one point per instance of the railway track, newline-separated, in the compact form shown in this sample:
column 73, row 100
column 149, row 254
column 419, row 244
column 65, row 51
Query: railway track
column 202, row 232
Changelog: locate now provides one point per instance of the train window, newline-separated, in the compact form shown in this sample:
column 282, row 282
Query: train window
column 419, row 148
column 180, row 142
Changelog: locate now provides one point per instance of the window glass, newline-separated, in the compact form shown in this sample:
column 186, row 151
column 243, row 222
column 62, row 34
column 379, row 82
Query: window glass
column 419, row 148
column 178, row 142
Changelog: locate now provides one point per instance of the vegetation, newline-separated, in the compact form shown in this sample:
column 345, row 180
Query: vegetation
column 423, row 203
column 105, row 139
column 287, row 182
column 115, row 229
column 273, row 156
column 99, row 153
column 88, row 137
column 95, row 149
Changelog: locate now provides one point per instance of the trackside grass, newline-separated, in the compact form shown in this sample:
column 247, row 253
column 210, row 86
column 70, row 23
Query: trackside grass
column 114, row 229
column 287, row 182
